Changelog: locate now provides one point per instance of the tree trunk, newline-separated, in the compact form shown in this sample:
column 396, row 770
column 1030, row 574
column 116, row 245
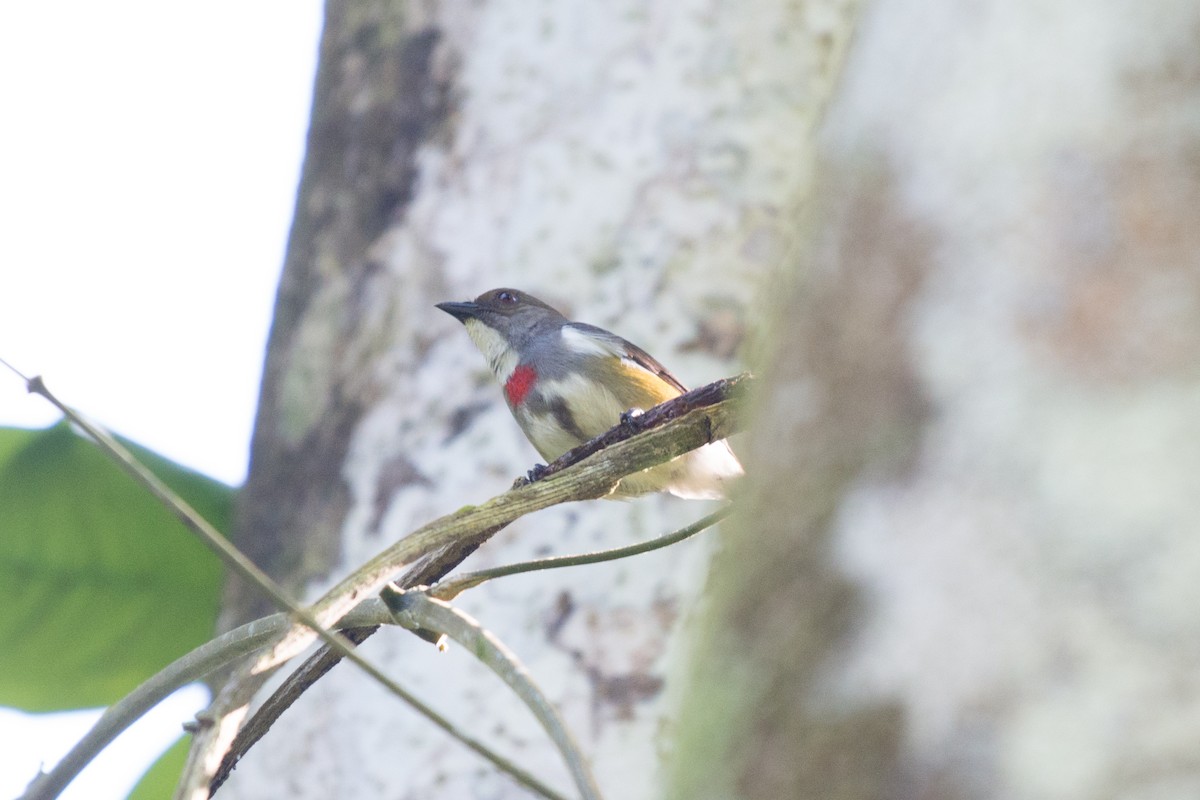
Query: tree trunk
column 968, row 565
column 632, row 164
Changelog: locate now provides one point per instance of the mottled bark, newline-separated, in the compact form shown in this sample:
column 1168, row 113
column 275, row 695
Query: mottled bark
column 631, row 163
column 377, row 99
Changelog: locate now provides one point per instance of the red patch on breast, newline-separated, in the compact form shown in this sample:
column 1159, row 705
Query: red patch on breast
column 519, row 383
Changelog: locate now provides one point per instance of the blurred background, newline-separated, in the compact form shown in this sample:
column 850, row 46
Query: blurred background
column 957, row 242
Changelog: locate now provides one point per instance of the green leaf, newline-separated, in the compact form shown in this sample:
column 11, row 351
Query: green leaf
column 160, row 780
column 100, row 586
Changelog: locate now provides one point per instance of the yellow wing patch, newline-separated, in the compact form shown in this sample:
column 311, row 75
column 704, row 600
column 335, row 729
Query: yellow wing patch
column 642, row 388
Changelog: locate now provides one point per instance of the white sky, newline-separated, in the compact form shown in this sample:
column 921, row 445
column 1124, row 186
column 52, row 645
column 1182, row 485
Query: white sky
column 149, row 157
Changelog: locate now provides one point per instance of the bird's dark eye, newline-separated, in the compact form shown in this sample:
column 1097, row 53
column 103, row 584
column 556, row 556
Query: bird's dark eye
column 506, row 297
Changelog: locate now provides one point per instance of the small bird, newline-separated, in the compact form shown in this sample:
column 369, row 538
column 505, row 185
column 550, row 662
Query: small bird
column 567, row 382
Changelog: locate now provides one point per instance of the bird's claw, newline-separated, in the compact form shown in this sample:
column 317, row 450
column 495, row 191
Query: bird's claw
column 535, row 474
column 627, row 417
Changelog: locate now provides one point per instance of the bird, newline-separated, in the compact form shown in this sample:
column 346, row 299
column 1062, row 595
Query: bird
column 567, row 382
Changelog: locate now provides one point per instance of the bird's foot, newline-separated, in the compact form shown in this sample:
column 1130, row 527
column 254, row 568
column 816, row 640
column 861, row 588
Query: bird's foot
column 535, row 474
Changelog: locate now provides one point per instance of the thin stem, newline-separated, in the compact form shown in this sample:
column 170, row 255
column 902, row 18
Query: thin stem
column 18, row 372
column 191, row 519
column 449, row 589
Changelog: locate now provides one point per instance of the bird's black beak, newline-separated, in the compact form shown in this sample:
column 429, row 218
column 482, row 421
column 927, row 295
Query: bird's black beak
column 461, row 311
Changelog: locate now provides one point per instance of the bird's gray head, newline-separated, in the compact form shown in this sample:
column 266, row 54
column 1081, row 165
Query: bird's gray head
column 504, row 323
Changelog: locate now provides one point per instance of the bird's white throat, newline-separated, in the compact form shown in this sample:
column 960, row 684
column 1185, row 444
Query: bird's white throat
column 495, row 348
